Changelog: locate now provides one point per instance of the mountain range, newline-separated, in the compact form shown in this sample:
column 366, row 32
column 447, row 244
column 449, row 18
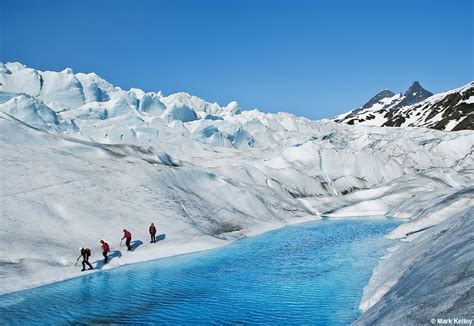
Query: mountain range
column 450, row 111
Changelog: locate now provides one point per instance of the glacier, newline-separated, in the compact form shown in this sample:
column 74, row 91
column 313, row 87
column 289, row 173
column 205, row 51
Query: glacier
column 83, row 159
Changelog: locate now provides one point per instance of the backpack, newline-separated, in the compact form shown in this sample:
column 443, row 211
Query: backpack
column 87, row 252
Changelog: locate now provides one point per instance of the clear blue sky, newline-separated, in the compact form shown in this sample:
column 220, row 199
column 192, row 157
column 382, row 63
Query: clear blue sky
column 311, row 58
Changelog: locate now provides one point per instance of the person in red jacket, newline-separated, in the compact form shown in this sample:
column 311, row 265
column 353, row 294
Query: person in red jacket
column 105, row 250
column 152, row 230
column 128, row 237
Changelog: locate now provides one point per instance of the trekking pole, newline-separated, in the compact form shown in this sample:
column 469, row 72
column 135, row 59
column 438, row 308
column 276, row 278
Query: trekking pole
column 121, row 242
column 75, row 264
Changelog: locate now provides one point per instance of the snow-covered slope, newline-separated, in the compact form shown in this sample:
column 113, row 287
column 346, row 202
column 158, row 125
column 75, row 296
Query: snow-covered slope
column 435, row 281
column 452, row 110
column 82, row 159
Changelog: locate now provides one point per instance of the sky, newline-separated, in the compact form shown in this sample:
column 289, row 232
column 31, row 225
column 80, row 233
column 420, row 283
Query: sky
column 311, row 58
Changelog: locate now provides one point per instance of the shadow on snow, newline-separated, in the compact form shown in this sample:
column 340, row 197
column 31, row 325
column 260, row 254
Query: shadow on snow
column 99, row 264
column 113, row 254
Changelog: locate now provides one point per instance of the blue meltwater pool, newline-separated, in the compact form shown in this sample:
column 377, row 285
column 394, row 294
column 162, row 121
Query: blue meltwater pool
column 312, row 273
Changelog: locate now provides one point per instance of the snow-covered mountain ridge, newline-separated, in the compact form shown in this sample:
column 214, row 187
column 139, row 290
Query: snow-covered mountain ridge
column 82, row 159
column 452, row 110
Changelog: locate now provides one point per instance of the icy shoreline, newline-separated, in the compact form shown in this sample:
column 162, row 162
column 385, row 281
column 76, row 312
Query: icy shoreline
column 377, row 294
column 283, row 272
column 162, row 249
column 429, row 277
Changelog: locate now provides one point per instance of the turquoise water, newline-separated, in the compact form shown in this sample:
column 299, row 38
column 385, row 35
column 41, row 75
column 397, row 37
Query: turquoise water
column 311, row 273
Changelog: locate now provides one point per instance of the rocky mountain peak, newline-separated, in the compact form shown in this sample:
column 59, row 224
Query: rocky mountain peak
column 415, row 93
column 379, row 96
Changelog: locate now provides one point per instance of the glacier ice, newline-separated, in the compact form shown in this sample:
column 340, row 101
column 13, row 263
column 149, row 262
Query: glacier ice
column 82, row 159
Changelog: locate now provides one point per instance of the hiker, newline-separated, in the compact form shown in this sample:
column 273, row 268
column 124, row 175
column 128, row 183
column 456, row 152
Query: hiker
column 128, row 237
column 85, row 254
column 152, row 230
column 105, row 250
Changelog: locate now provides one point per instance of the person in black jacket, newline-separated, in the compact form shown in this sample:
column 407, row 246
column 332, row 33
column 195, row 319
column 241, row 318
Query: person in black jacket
column 152, row 230
column 85, row 254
